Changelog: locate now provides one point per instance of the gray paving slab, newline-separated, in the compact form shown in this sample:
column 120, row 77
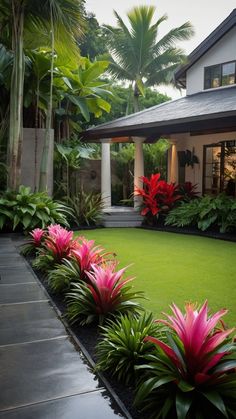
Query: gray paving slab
column 5, row 240
column 41, row 371
column 16, row 276
column 28, row 322
column 15, row 261
column 20, row 293
column 95, row 405
column 43, row 374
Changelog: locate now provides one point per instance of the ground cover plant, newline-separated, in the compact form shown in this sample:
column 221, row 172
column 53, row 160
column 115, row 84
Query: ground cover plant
column 204, row 213
column 174, row 267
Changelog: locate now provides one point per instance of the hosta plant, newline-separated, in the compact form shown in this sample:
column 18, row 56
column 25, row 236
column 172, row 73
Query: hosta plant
column 193, row 376
column 106, row 293
column 26, row 210
column 122, row 345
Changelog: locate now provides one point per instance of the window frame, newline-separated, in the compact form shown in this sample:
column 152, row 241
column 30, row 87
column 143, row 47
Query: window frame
column 221, row 68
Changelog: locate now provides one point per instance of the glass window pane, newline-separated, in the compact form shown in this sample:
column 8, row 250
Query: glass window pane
column 228, row 74
column 209, row 156
column 207, row 82
column 215, row 76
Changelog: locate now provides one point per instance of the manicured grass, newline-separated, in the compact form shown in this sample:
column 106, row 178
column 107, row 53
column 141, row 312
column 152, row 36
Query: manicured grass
column 174, row 267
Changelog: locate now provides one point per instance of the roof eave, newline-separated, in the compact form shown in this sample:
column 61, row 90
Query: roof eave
column 140, row 129
column 205, row 45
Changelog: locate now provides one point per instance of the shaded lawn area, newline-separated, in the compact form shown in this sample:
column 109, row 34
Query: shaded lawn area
column 174, row 267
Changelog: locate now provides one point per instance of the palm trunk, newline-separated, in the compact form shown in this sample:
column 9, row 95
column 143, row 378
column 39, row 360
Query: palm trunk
column 136, row 96
column 44, row 178
column 16, row 97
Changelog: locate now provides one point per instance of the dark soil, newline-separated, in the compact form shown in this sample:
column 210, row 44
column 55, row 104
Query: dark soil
column 89, row 336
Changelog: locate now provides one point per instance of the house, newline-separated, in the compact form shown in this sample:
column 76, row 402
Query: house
column 200, row 126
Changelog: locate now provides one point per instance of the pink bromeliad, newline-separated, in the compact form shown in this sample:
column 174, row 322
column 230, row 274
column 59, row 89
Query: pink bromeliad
column 59, row 241
column 86, row 255
column 106, row 286
column 200, row 343
column 37, row 235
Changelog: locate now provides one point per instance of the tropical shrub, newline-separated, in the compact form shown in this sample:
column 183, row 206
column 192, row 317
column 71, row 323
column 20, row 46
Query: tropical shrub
column 158, row 195
column 185, row 214
column 204, row 213
column 188, row 191
column 193, row 376
column 122, row 345
column 106, row 293
column 26, row 210
column 87, row 208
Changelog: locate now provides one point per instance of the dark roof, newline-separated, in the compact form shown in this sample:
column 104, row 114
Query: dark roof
column 209, row 42
column 211, row 109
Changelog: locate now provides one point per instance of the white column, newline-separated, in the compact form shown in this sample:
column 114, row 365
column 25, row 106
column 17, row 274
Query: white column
column 138, row 168
column 106, row 175
column 173, row 168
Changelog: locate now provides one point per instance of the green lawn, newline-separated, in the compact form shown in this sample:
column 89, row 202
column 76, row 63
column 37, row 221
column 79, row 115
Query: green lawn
column 175, row 268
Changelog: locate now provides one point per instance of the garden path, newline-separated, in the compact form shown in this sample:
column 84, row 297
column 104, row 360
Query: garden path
column 44, row 374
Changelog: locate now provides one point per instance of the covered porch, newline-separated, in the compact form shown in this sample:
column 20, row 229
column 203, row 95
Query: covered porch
column 190, row 123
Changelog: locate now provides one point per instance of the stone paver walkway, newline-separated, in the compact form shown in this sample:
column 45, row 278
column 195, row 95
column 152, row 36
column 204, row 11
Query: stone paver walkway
column 43, row 375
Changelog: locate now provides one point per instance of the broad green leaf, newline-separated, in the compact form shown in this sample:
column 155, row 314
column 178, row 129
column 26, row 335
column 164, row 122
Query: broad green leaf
column 185, row 387
column 215, row 398
column 26, row 221
column 183, row 403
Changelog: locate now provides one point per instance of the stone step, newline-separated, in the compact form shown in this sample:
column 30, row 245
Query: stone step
column 124, row 217
column 117, row 224
column 121, row 217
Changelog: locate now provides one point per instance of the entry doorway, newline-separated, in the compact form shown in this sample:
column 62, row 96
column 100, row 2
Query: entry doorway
column 219, row 168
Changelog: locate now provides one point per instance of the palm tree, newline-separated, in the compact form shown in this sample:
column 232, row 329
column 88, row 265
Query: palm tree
column 138, row 57
column 31, row 15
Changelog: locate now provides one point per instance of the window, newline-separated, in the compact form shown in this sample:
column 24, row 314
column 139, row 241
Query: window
column 219, row 75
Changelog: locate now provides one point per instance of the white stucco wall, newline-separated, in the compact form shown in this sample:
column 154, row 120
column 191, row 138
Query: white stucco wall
column 223, row 51
column 184, row 142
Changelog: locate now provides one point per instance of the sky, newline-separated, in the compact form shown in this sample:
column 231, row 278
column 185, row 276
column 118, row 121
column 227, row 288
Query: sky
column 205, row 16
